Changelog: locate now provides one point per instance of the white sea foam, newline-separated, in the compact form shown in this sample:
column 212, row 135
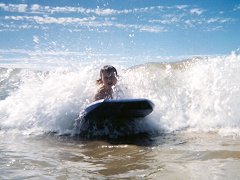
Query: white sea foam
column 201, row 94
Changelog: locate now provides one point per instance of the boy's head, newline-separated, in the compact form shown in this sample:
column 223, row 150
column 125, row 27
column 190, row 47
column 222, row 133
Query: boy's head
column 108, row 69
column 108, row 76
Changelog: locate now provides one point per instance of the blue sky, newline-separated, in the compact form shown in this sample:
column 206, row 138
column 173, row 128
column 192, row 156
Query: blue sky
column 124, row 28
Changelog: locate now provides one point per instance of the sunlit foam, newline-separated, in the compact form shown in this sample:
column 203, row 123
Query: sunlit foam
column 201, row 94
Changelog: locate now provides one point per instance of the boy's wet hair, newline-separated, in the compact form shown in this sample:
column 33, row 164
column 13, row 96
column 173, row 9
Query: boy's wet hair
column 107, row 69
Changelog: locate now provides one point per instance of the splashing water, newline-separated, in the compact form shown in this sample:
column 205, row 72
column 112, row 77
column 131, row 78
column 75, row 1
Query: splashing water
column 201, row 94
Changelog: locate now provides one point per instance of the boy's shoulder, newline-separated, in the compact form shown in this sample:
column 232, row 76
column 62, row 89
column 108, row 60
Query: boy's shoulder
column 101, row 94
column 101, row 89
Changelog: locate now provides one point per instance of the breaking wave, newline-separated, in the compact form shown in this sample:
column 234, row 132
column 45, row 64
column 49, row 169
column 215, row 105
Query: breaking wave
column 200, row 94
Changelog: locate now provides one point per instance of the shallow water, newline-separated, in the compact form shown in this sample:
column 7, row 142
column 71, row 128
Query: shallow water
column 166, row 156
column 193, row 132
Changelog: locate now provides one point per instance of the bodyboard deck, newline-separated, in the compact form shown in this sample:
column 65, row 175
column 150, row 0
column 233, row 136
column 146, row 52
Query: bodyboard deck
column 119, row 108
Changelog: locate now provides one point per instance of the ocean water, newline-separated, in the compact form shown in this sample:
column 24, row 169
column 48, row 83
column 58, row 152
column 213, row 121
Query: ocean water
column 193, row 132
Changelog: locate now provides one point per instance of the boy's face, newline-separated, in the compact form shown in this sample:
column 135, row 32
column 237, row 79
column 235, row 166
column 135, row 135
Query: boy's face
column 109, row 79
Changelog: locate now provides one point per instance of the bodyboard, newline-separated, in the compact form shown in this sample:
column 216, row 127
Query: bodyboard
column 119, row 108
